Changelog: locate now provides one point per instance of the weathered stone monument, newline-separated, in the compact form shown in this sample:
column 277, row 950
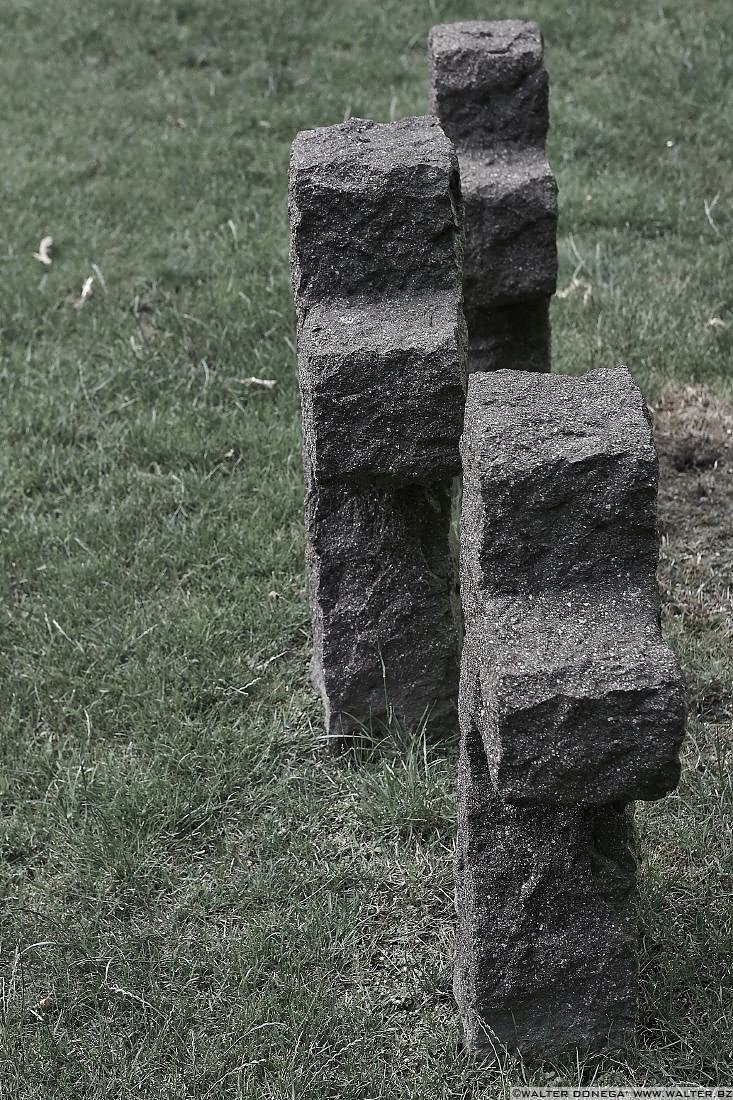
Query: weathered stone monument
column 376, row 257
column 571, row 706
column 489, row 89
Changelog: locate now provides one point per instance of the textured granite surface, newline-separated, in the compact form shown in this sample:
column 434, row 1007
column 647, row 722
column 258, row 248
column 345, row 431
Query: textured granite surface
column 581, row 700
column 376, row 255
column 382, row 578
column 489, row 89
column 547, row 920
column 571, row 705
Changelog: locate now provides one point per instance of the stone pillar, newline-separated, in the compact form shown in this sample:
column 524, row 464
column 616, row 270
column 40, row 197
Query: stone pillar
column 489, row 89
column 571, row 706
column 376, row 255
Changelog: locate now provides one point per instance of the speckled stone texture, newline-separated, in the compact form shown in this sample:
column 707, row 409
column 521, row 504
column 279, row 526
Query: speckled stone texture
column 581, row 699
column 545, row 956
column 489, row 89
column 384, row 595
column 570, row 706
column 376, row 258
column 382, row 389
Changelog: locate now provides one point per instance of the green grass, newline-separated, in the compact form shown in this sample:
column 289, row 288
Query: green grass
column 194, row 901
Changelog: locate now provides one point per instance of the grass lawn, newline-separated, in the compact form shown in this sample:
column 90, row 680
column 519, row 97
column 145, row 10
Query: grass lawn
column 194, row 901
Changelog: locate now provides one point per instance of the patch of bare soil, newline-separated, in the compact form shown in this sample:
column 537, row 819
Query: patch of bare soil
column 693, row 429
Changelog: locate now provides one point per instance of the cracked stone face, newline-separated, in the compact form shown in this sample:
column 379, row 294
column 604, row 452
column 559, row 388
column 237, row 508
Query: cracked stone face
column 383, row 389
column 383, row 588
column 511, row 227
column 579, row 703
column 374, row 211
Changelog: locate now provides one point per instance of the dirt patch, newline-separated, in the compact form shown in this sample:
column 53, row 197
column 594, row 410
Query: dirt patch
column 693, row 429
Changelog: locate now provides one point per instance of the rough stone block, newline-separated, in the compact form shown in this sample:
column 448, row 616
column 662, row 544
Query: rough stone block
column 383, row 388
column 489, row 89
column 383, row 590
column 581, row 700
column 547, row 920
column 376, row 250
column 488, row 83
column 376, row 254
column 375, row 211
column 560, row 481
column 510, row 205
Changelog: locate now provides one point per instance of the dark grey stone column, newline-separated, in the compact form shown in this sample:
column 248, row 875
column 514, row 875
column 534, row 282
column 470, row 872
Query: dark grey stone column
column 376, row 252
column 571, row 706
column 489, row 89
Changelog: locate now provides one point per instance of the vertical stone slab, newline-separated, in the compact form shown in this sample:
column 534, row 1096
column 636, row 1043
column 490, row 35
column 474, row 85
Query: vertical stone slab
column 376, row 256
column 571, row 706
column 545, row 957
column 489, row 89
column 582, row 700
column 383, row 591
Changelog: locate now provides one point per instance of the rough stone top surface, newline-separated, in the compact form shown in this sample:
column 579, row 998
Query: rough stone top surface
column 511, row 47
column 375, row 208
column 583, row 701
column 341, row 155
column 549, row 631
column 516, row 421
column 496, row 171
column 381, row 327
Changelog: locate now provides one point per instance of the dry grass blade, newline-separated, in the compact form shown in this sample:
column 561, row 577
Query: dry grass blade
column 43, row 255
column 259, row 383
column 86, row 293
column 577, row 288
